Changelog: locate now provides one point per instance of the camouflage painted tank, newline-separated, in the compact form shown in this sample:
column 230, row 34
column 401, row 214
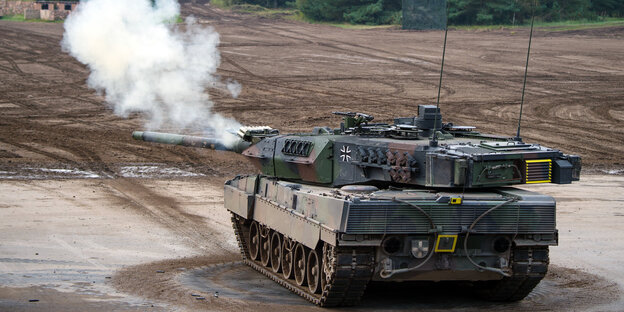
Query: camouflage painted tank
column 336, row 208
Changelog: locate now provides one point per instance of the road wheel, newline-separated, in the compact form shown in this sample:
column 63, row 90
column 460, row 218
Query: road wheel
column 254, row 240
column 276, row 251
column 313, row 272
column 287, row 258
column 300, row 265
column 265, row 246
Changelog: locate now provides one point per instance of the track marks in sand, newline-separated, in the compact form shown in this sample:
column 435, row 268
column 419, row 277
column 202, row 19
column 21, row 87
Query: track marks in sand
column 195, row 230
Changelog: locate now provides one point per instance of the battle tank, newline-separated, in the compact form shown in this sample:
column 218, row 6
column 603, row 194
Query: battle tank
column 417, row 200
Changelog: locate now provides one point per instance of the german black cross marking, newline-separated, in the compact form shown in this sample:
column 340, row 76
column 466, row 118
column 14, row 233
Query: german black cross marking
column 345, row 153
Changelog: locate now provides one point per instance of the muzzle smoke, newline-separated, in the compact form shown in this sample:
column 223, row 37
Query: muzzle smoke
column 143, row 62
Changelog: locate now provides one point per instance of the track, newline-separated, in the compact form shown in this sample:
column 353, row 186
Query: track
column 351, row 270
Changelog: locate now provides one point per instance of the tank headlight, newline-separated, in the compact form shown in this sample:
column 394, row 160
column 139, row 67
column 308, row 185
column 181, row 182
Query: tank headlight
column 420, row 248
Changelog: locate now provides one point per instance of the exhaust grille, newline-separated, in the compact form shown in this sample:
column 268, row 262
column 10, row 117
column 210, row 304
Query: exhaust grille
column 538, row 171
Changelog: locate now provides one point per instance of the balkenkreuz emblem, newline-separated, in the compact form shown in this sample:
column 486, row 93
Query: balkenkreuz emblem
column 345, row 153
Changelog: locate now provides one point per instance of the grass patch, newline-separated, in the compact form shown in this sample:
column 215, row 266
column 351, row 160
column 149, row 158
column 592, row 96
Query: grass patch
column 577, row 25
column 278, row 13
column 552, row 26
column 360, row 26
column 174, row 20
column 20, row 18
column 220, row 3
column 290, row 14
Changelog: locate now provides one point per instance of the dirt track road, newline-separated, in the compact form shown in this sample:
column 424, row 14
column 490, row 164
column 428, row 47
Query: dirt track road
column 130, row 244
column 88, row 216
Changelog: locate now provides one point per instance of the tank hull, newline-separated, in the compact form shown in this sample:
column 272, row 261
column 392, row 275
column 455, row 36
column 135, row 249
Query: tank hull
column 494, row 238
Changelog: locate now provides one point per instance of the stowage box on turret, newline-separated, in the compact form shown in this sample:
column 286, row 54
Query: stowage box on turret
column 334, row 209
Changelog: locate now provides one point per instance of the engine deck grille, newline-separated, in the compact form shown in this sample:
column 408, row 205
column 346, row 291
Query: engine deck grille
column 373, row 218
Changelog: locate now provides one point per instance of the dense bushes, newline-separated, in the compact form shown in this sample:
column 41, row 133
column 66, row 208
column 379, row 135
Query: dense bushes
column 487, row 12
column 352, row 11
column 460, row 12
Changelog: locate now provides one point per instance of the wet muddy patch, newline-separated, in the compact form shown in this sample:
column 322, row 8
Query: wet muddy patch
column 236, row 280
column 97, row 171
column 206, row 282
column 155, row 171
column 29, row 173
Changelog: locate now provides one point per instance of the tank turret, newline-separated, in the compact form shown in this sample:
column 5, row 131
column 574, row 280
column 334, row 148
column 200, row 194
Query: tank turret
column 362, row 152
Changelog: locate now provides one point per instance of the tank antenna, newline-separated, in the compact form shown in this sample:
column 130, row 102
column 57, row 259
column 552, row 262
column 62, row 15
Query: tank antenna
column 434, row 139
column 526, row 69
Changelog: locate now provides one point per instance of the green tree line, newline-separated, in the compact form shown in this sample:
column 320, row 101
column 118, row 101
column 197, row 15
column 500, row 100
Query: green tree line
column 460, row 12
column 482, row 12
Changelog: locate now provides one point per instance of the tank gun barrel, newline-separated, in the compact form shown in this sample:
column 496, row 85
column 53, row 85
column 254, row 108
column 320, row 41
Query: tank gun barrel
column 237, row 146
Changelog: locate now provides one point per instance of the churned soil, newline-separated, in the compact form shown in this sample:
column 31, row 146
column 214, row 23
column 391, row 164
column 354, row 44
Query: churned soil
column 93, row 220
column 295, row 74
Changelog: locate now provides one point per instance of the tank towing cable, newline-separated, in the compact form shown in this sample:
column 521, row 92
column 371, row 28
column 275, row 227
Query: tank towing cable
column 387, row 274
column 491, row 269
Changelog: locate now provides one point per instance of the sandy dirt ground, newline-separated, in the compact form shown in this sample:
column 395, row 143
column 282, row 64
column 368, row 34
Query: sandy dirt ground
column 92, row 220
column 132, row 244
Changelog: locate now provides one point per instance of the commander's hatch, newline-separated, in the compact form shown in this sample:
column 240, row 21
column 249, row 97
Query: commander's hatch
column 404, row 132
column 451, row 127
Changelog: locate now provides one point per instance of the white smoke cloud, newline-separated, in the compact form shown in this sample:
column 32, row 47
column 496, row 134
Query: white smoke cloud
column 234, row 87
column 144, row 63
